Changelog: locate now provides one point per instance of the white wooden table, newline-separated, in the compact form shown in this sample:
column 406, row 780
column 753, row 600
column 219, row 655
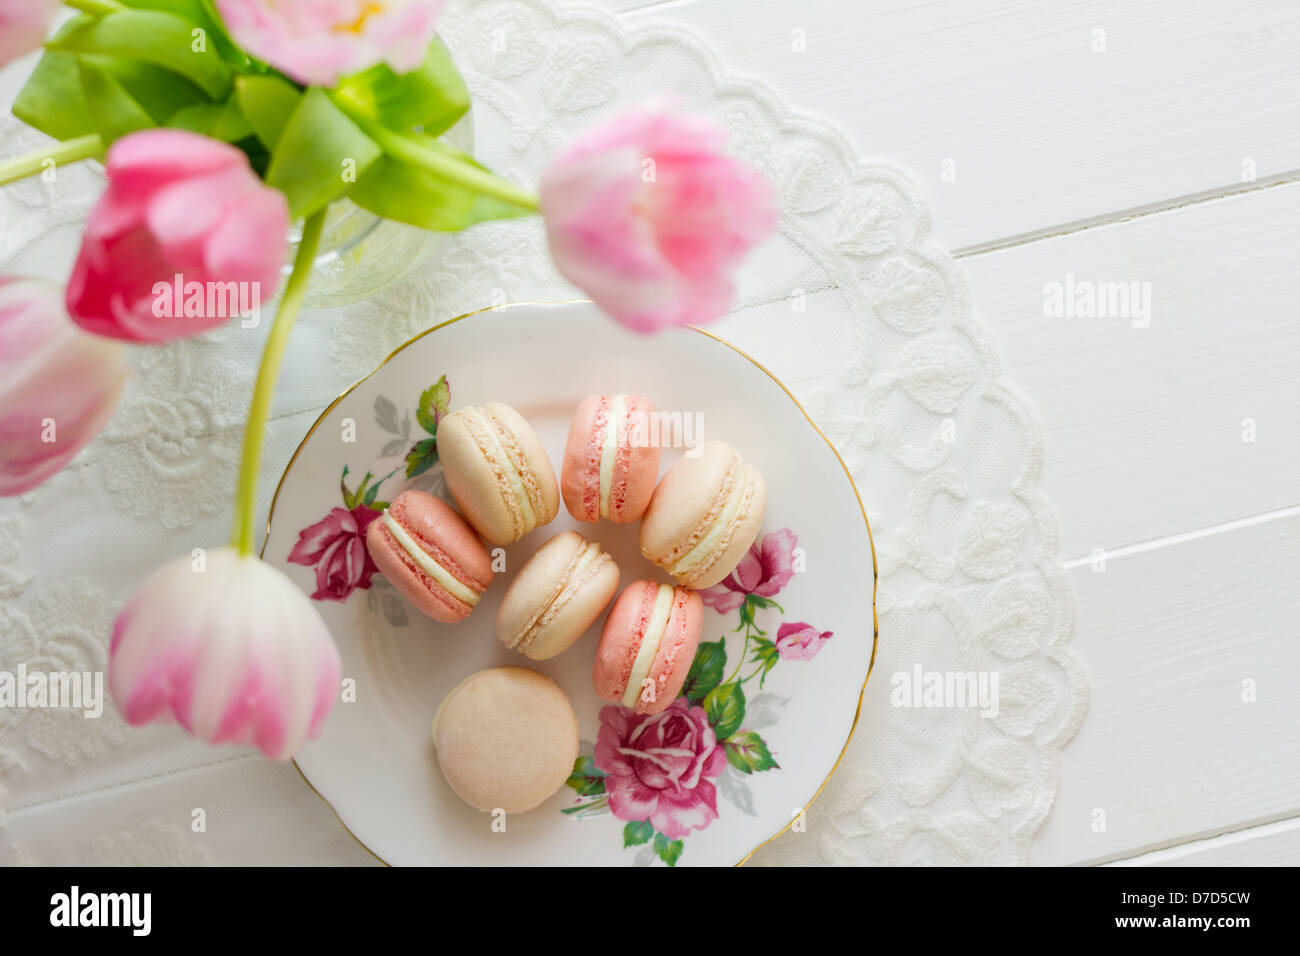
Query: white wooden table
column 1116, row 142
column 1155, row 143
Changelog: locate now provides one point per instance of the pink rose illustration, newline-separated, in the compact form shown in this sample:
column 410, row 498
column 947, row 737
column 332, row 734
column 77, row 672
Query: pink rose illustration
column 764, row 571
column 796, row 641
column 336, row 546
column 661, row 766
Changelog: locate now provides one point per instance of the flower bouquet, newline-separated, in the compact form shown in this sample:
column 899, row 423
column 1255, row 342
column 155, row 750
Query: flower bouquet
column 225, row 127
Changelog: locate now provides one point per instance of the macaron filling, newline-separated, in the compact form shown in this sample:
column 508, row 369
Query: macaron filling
column 615, row 417
column 582, row 567
column 444, row 578
column 650, row 640
column 486, row 431
column 693, row 558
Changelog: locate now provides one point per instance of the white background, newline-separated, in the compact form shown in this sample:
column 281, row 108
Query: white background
column 1122, row 165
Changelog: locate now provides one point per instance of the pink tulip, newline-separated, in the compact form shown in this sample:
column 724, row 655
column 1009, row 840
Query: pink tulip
column 317, row 42
column 184, row 238
column 228, row 647
column 648, row 216
column 58, row 385
column 23, row 25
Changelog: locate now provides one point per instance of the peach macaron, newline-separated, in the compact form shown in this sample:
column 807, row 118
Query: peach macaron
column 611, row 463
column 704, row 515
column 556, row 596
column 647, row 646
column 506, row 738
column 430, row 555
column 497, row 471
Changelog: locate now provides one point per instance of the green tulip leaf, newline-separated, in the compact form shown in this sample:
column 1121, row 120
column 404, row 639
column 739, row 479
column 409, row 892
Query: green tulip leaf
column 115, row 111
column 162, row 39
column 267, row 103
column 52, row 100
column 223, row 121
column 396, row 189
column 431, row 98
column 319, row 155
column 202, row 14
column 161, row 92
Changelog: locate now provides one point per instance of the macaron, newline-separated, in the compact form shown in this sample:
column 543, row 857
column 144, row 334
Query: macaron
column 704, row 515
column 497, row 471
column 507, row 739
column 556, row 596
column 430, row 555
column 650, row 636
column 610, row 463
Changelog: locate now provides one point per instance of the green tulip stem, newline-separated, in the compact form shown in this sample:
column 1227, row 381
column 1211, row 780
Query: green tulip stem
column 69, row 151
column 409, row 148
column 96, row 8
column 267, row 373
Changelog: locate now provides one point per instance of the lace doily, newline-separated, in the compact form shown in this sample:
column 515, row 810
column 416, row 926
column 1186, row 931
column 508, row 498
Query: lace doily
column 851, row 305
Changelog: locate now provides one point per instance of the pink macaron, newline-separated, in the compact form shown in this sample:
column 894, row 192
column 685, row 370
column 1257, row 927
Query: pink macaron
column 611, row 463
column 647, row 646
column 431, row 556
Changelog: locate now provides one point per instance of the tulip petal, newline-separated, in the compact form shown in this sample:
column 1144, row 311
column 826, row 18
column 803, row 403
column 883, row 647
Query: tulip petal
column 250, row 244
column 230, row 649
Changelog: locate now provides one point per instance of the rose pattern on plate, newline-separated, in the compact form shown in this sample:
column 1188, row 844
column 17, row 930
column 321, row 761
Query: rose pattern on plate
column 662, row 773
column 335, row 546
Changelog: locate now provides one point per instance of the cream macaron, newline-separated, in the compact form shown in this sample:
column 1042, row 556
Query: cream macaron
column 556, row 596
column 497, row 471
column 506, row 738
column 704, row 515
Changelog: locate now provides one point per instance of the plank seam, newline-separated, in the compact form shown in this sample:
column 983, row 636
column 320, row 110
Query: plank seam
column 1234, row 834
column 1156, row 543
column 1128, row 215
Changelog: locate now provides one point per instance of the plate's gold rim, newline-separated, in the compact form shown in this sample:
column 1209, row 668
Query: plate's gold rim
column 875, row 570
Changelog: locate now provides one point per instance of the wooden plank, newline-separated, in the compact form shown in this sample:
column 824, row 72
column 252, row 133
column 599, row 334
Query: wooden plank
column 1173, row 748
column 1272, row 844
column 1042, row 128
column 1148, row 429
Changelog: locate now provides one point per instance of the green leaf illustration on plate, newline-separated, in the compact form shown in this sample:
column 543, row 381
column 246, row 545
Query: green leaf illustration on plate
column 433, row 405
column 725, row 708
column 706, row 670
column 587, row 780
column 748, row 753
column 764, row 653
column 637, row 832
column 422, row 457
column 668, row 850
